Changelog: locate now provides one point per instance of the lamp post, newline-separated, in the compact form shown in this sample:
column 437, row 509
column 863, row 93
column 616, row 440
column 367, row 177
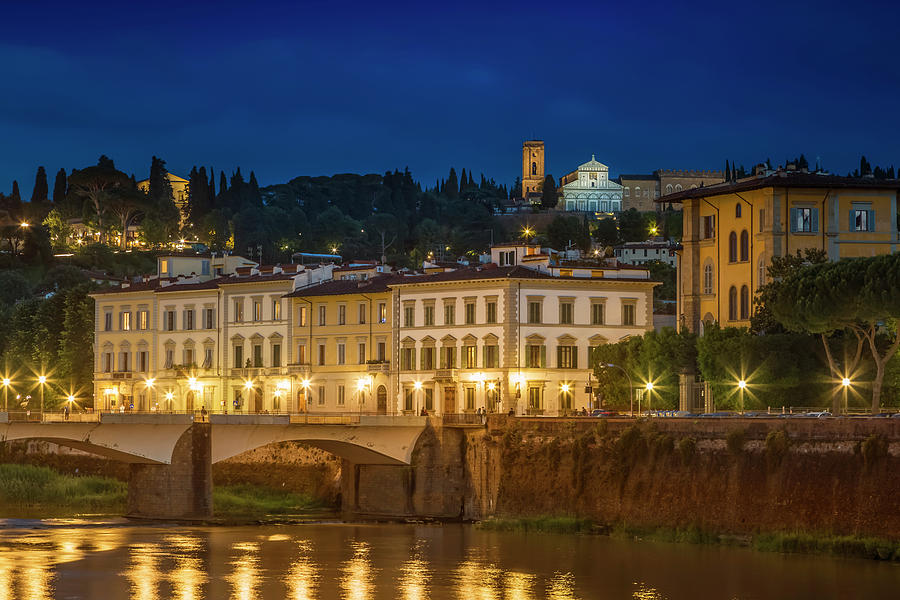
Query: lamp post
column 845, row 384
column 6, row 383
column 42, row 380
column 169, row 397
column 417, row 386
column 148, row 383
column 741, row 386
column 630, row 385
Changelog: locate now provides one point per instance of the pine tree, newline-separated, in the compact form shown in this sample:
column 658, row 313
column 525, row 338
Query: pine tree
column 105, row 162
column 864, row 167
column 40, row 191
column 451, row 188
column 59, row 188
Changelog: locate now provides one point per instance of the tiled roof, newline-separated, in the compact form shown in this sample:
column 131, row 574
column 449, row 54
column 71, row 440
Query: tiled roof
column 339, row 287
column 783, row 179
column 493, row 272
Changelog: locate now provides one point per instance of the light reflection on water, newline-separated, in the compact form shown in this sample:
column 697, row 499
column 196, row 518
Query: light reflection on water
column 350, row 562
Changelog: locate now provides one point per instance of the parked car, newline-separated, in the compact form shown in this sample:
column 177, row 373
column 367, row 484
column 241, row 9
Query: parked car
column 818, row 414
column 603, row 412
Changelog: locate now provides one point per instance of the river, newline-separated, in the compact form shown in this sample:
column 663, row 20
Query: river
column 71, row 559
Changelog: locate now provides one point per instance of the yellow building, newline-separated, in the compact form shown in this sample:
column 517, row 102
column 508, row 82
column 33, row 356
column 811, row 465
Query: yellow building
column 341, row 333
column 733, row 230
column 180, row 189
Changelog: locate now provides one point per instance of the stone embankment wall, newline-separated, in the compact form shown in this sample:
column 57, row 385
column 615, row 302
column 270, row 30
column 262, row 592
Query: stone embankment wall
column 835, row 476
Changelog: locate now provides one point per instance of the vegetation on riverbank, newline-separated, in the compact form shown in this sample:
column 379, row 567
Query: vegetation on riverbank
column 784, row 542
column 26, row 488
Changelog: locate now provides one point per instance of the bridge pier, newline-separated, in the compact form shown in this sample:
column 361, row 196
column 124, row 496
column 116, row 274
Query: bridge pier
column 180, row 490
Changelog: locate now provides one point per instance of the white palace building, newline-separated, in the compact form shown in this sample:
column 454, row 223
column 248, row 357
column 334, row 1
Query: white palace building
column 589, row 189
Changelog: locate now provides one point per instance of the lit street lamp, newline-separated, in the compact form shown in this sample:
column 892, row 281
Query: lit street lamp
column 741, row 386
column 845, row 384
column 42, row 380
column 6, row 383
column 649, row 387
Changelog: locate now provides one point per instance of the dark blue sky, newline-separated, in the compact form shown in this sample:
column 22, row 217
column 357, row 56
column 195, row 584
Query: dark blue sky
column 292, row 88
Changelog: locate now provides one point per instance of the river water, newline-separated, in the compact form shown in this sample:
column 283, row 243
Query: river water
column 324, row 561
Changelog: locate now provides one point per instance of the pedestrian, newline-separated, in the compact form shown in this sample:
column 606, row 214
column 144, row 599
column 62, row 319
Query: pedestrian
column 203, row 413
column 66, row 412
column 423, row 413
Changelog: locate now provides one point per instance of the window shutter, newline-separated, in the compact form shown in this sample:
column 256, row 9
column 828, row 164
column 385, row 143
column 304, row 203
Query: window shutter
column 559, row 361
column 574, row 357
column 815, row 220
column 871, row 220
column 851, row 221
column 543, row 356
column 793, row 220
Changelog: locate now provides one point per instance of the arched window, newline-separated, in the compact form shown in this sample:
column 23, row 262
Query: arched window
column 732, row 247
column 669, row 189
column 534, row 168
column 732, row 304
column 745, row 302
column 737, row 210
column 761, row 272
column 708, row 280
column 678, row 187
column 745, row 246
column 637, row 192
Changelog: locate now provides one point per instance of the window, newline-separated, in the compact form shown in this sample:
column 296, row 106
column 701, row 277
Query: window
column 762, row 219
column 163, row 268
column 342, row 314
column 535, row 356
column 409, row 316
column 407, row 359
column 628, row 310
column 362, row 314
column 448, row 357
column 737, row 210
column 669, row 189
column 566, row 312
column 491, row 312
column 257, row 355
column 761, row 272
column 143, row 361
column 491, row 357
column 321, row 354
column 429, row 315
column 170, row 320
column 408, row 394
column 862, row 220
column 678, row 187
column 209, row 318
column 745, row 302
column 170, row 358
column 627, row 191
column 597, row 310
column 732, row 304
column 507, row 258
column 637, row 191
column 428, row 358
column 321, row 395
column 567, row 357
column 143, row 320
column 107, row 362
column 188, row 357
column 708, row 278
column 276, row 310
column 340, row 395
column 238, row 310
column 732, row 247
column 381, row 351
column 301, row 354
column 341, row 353
column 534, row 397
column 257, row 310
column 804, row 220
column 382, row 312
column 207, row 358
column 238, row 357
column 301, row 316
column 204, row 267
column 429, row 399
column 565, row 399
column 276, row 355
column 470, row 353
column 125, row 321
column 534, row 312
column 362, row 353
column 189, row 319
column 123, row 361
column 745, row 246
column 470, row 313
column 449, row 314
column 321, row 314
column 708, row 227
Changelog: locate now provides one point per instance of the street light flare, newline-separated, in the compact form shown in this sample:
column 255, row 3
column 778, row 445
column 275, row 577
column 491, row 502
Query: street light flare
column 845, row 381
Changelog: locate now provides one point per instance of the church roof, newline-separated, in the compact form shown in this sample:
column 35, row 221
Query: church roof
column 593, row 165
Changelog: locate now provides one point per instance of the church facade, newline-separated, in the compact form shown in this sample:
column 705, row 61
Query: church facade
column 589, row 189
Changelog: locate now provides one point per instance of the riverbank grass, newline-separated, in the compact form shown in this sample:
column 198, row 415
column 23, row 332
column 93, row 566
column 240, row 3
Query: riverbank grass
column 539, row 525
column 249, row 500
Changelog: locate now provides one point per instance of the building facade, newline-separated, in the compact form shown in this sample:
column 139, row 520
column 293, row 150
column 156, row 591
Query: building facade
column 180, row 193
column 639, row 253
column 641, row 191
column 732, row 231
column 589, row 189
column 532, row 169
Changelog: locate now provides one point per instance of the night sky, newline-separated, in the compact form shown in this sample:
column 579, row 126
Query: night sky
column 316, row 88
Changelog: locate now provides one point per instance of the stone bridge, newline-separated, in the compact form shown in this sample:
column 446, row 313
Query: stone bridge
column 171, row 455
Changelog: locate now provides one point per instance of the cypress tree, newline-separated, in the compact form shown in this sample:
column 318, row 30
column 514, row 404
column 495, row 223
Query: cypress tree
column 59, row 188
column 39, row 193
column 212, row 187
column 255, row 196
column 463, row 183
column 223, row 184
column 451, row 188
column 15, row 196
column 549, row 194
column 727, row 171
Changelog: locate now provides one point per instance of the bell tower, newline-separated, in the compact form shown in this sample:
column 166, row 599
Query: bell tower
column 532, row 168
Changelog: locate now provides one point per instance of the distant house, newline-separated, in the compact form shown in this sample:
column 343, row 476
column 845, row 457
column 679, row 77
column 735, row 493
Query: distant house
column 639, row 253
column 180, row 191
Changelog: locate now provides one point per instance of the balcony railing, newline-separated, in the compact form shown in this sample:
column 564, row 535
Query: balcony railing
column 446, row 373
column 298, row 369
column 379, row 367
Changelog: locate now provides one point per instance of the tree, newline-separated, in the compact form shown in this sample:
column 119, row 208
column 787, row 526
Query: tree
column 161, row 201
column 451, row 188
column 126, row 204
column 762, row 321
column 59, row 188
column 861, row 295
column 606, row 232
column 549, row 194
column 566, row 230
column 632, row 226
column 15, row 195
column 40, row 191
column 93, row 185
column 58, row 228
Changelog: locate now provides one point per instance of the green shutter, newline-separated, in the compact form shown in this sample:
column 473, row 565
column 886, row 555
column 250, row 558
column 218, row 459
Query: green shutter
column 851, row 221
column 574, row 357
column 559, row 361
column 543, row 356
column 814, row 220
column 793, row 220
column 871, row 220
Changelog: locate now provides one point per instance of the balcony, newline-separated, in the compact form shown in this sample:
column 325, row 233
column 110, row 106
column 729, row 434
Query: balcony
column 301, row 369
column 383, row 366
column 446, row 374
column 247, row 372
column 121, row 374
